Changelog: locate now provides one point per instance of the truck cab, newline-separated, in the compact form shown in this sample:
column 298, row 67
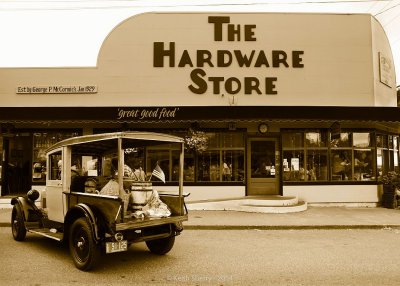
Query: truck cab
column 98, row 198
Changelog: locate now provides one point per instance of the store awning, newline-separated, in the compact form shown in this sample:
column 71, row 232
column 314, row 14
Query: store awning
column 191, row 113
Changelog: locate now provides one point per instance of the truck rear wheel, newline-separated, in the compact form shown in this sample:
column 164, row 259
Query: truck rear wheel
column 161, row 246
column 83, row 248
column 17, row 223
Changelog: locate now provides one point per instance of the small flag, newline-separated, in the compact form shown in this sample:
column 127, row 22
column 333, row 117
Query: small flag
column 158, row 173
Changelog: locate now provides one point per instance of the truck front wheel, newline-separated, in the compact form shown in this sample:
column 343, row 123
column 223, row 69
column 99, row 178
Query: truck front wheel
column 17, row 223
column 83, row 248
column 161, row 246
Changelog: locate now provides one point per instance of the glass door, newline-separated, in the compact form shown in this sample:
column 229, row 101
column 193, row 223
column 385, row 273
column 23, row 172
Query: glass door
column 263, row 167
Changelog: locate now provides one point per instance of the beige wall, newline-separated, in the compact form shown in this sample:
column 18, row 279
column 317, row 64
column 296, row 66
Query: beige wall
column 340, row 63
column 380, row 45
column 334, row 193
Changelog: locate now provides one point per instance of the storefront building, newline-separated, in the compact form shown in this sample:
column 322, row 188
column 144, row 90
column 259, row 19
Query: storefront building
column 266, row 106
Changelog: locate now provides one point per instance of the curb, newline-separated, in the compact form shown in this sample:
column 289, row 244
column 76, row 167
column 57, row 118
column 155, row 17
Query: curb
column 287, row 227
column 274, row 227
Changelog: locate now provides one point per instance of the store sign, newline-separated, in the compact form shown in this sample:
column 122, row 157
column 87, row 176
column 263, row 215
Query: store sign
column 386, row 70
column 166, row 55
column 57, row 89
column 147, row 113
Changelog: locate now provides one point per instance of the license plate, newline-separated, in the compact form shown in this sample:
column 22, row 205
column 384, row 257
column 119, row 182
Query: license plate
column 116, row 246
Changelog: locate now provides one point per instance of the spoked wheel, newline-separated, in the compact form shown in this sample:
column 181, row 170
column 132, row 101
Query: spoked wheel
column 83, row 248
column 17, row 223
column 161, row 246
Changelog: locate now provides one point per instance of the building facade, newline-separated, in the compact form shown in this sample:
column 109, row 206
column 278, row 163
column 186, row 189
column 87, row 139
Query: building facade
column 266, row 107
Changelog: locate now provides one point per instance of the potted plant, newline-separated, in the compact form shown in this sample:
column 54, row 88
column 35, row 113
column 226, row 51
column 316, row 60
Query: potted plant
column 196, row 141
column 391, row 182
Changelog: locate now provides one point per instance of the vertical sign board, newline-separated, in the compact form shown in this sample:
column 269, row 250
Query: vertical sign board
column 386, row 70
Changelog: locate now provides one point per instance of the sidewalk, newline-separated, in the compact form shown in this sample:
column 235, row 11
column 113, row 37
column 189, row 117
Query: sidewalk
column 313, row 218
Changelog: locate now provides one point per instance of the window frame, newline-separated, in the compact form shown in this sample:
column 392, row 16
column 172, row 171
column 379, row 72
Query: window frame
column 330, row 149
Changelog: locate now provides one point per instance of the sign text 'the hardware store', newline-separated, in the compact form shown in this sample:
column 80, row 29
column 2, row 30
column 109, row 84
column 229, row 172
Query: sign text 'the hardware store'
column 165, row 55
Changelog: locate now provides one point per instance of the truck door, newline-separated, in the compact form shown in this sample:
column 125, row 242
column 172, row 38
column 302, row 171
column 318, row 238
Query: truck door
column 55, row 200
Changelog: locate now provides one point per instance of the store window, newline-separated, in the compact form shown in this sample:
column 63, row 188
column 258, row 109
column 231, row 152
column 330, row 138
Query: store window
column 305, row 156
column 209, row 166
column 233, row 166
column 189, row 167
column 41, row 142
column 341, row 159
column 341, row 163
column 1, row 156
column 364, row 157
column 317, row 165
column 349, row 156
column 396, row 154
column 162, row 158
column 223, row 159
column 387, row 159
column 352, row 157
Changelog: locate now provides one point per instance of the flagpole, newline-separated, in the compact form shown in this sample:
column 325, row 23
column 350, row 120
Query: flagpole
column 152, row 172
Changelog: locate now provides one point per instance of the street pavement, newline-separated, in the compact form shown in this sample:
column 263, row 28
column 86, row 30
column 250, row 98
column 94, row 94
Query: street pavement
column 315, row 217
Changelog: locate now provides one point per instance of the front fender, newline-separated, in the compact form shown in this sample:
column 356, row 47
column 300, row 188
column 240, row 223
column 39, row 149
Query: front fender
column 30, row 211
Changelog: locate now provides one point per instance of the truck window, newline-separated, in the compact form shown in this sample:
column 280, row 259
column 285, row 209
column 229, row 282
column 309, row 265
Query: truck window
column 91, row 169
column 55, row 166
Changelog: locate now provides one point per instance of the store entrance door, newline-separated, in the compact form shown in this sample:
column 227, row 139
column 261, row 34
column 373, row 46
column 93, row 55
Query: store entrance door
column 17, row 158
column 263, row 167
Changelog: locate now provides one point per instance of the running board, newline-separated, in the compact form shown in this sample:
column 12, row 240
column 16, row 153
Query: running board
column 47, row 232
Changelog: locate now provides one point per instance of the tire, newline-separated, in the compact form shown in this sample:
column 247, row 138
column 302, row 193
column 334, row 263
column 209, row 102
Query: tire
column 17, row 223
column 82, row 246
column 161, row 246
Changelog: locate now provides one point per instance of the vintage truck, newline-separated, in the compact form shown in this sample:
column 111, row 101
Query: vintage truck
column 74, row 207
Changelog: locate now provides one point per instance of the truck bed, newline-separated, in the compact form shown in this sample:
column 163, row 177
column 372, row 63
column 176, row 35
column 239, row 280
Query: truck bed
column 111, row 206
column 137, row 223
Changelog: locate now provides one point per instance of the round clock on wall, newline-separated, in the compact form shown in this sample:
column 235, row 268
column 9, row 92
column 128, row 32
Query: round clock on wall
column 263, row 128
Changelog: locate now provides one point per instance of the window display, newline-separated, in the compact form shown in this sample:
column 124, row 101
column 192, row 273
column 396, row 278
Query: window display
column 223, row 161
column 233, row 166
column 293, row 166
column 317, row 168
column 349, row 157
column 364, row 169
column 363, row 154
column 305, row 156
column 209, row 166
column 188, row 168
column 387, row 158
column 341, row 165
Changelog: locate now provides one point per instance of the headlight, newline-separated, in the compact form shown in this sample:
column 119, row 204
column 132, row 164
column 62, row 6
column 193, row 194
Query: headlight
column 119, row 236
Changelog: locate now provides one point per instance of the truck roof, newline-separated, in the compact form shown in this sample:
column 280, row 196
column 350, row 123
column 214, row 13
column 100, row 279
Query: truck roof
column 147, row 138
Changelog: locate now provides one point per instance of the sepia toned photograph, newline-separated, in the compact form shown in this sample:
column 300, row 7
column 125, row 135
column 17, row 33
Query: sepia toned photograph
column 199, row 142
